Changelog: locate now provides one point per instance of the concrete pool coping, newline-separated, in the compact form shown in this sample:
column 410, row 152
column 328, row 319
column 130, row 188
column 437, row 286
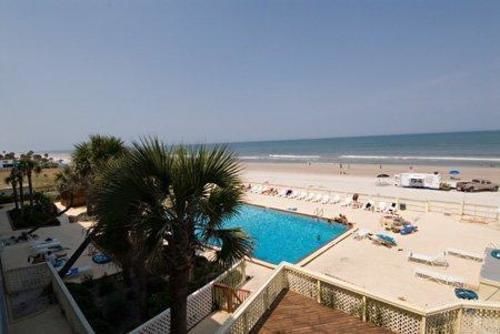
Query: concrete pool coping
column 309, row 258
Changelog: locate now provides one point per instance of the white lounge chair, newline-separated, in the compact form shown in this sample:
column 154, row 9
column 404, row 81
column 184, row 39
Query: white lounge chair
column 369, row 205
column 317, row 198
column 77, row 271
column 302, row 196
column 282, row 193
column 325, row 199
column 438, row 260
column 347, row 201
column 382, row 207
column 294, row 194
column 335, row 199
column 256, row 189
column 361, row 234
column 309, row 197
column 465, row 254
column 440, row 277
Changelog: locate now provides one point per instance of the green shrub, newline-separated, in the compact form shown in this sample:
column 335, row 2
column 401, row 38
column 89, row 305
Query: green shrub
column 114, row 307
column 106, row 286
column 4, row 198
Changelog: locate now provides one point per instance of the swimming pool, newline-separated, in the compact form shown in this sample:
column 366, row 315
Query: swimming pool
column 281, row 236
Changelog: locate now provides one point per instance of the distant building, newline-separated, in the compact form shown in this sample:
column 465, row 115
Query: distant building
column 5, row 164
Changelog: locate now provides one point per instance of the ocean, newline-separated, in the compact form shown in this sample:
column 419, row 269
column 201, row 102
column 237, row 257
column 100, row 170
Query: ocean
column 481, row 148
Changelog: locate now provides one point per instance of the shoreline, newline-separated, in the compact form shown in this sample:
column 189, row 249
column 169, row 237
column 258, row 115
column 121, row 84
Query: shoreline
column 371, row 170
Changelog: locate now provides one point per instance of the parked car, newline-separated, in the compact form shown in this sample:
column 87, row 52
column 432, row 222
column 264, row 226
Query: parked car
column 477, row 185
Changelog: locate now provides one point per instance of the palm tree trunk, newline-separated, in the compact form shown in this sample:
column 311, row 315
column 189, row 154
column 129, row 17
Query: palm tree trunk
column 179, row 293
column 21, row 192
column 14, row 194
column 142, row 292
column 78, row 252
column 30, row 187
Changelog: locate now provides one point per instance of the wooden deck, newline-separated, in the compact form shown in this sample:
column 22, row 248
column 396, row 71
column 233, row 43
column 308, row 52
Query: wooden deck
column 294, row 313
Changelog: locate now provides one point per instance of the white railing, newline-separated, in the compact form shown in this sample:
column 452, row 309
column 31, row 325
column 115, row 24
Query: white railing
column 486, row 212
column 27, row 278
column 200, row 303
column 41, row 276
column 394, row 315
column 71, row 311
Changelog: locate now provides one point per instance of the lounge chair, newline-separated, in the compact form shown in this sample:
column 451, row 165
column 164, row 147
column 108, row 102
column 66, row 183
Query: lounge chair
column 302, row 196
column 465, row 254
column 325, row 199
column 382, row 207
column 369, row 205
column 384, row 239
column 361, row 234
column 440, row 277
column 317, row 198
column 282, row 193
column 294, row 194
column 256, row 189
column 347, row 201
column 335, row 199
column 309, row 197
column 77, row 271
column 437, row 260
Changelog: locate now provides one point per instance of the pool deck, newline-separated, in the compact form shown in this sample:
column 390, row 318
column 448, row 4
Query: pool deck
column 294, row 313
column 387, row 271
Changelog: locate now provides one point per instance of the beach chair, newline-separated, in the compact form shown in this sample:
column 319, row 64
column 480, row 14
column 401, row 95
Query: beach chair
column 369, row 205
column 77, row 271
column 256, row 189
column 440, row 277
column 325, row 199
column 382, row 207
column 347, row 201
column 309, row 197
column 335, row 199
column 384, row 239
column 282, row 193
column 437, row 260
column 361, row 234
column 302, row 196
column 465, row 254
column 294, row 194
column 317, row 198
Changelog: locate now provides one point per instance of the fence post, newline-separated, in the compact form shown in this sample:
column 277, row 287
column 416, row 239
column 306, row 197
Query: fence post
column 423, row 325
column 318, row 286
column 458, row 325
column 364, row 305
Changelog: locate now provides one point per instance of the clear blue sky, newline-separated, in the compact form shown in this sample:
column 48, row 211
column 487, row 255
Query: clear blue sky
column 212, row 71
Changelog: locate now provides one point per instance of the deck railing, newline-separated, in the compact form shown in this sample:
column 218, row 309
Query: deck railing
column 488, row 213
column 394, row 315
column 200, row 304
column 71, row 311
column 41, row 276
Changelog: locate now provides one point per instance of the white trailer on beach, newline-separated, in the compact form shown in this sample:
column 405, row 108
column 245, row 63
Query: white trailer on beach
column 418, row 180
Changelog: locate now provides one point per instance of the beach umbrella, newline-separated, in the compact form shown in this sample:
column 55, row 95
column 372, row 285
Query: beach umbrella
column 454, row 172
column 382, row 176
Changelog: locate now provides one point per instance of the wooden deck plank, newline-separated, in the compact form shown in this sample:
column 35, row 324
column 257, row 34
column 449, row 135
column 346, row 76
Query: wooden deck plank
column 294, row 313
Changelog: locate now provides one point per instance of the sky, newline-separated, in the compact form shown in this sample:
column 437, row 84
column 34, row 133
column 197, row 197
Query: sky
column 223, row 71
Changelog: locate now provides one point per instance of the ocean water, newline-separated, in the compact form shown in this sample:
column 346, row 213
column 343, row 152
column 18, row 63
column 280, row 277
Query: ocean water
column 480, row 148
column 458, row 148
column 280, row 236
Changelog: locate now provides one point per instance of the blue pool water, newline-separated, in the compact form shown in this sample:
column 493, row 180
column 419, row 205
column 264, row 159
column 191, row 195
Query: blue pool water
column 280, row 236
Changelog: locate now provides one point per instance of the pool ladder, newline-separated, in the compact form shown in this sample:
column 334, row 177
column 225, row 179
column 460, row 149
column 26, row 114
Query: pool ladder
column 319, row 212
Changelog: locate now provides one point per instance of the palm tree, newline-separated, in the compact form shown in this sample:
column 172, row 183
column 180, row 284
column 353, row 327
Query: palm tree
column 171, row 202
column 30, row 166
column 90, row 155
column 12, row 180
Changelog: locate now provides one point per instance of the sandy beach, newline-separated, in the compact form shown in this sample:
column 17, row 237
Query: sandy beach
column 362, row 178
